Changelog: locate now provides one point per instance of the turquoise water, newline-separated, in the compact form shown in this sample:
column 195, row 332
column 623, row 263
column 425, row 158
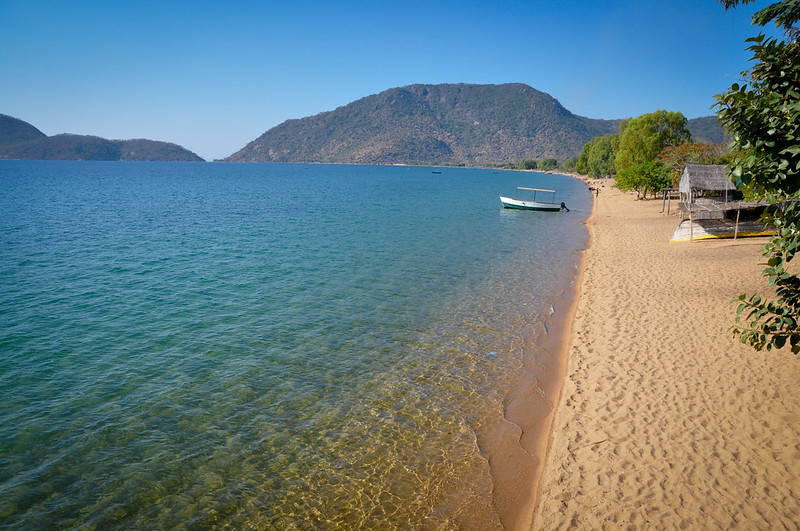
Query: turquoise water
column 264, row 345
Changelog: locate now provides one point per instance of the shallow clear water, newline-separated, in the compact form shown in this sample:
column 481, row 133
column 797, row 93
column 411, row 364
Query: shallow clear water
column 275, row 346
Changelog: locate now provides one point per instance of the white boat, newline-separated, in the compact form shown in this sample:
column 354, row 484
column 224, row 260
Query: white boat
column 533, row 204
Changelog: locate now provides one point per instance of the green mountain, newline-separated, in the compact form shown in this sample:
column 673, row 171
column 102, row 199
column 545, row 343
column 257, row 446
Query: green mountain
column 433, row 124
column 20, row 140
column 13, row 130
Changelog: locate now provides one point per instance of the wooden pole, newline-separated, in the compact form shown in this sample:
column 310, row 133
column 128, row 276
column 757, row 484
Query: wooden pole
column 736, row 229
column 691, row 220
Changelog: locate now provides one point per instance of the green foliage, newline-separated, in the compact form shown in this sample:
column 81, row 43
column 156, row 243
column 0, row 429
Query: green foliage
column 676, row 157
column 581, row 163
column 597, row 157
column 643, row 177
column 641, row 139
column 763, row 117
column 785, row 14
column 548, row 164
column 533, row 164
column 569, row 165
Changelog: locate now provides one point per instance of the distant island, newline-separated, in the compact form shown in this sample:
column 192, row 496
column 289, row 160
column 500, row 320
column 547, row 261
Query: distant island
column 448, row 124
column 22, row 141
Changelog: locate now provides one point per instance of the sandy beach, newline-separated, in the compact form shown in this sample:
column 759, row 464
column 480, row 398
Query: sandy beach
column 664, row 419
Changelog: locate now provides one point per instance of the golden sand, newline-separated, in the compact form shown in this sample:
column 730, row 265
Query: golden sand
column 665, row 420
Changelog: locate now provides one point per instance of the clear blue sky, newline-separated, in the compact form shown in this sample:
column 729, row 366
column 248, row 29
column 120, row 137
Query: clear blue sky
column 213, row 76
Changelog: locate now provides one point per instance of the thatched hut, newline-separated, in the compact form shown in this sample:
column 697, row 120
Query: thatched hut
column 697, row 179
column 713, row 206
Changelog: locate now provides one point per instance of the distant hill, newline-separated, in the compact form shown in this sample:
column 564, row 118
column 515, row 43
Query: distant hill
column 63, row 147
column 21, row 140
column 706, row 130
column 153, row 150
column 457, row 124
column 433, row 124
column 13, row 130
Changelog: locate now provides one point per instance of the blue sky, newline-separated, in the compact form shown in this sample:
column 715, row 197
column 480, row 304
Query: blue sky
column 213, row 76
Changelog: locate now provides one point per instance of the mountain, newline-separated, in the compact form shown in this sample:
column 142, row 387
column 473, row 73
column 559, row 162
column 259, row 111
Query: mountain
column 707, row 130
column 433, row 124
column 457, row 124
column 63, row 147
column 21, row 140
column 13, row 130
column 154, row 150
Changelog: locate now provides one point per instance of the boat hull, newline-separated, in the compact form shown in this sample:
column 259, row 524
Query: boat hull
column 703, row 229
column 529, row 205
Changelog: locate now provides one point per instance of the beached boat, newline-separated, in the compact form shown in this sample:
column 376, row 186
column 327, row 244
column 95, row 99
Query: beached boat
column 534, row 203
column 704, row 229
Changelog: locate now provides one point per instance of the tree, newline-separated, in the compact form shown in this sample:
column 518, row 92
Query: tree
column 548, row 164
column 641, row 139
column 569, row 165
column 762, row 115
column 785, row 14
column 581, row 165
column 677, row 157
column 644, row 177
column 597, row 157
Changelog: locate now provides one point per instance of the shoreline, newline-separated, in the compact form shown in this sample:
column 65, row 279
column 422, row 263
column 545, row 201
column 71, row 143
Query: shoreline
column 664, row 418
column 561, row 344
column 518, row 447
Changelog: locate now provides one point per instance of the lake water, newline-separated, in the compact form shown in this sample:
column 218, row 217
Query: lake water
column 265, row 345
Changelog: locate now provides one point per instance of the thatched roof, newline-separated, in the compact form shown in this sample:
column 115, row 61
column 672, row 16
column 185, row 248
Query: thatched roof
column 705, row 177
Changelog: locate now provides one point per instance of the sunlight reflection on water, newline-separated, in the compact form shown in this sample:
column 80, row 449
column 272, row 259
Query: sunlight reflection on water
column 237, row 345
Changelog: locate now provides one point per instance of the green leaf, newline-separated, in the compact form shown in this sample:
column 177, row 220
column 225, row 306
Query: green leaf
column 762, row 116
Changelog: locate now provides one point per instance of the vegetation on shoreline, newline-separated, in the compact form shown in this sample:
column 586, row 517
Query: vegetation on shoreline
column 648, row 154
column 762, row 114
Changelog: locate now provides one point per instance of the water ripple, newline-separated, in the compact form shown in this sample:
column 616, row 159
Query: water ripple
column 261, row 345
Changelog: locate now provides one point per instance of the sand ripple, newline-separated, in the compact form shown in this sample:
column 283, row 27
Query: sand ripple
column 665, row 419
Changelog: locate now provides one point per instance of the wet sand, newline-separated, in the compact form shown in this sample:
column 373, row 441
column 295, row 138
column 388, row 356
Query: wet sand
column 664, row 419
